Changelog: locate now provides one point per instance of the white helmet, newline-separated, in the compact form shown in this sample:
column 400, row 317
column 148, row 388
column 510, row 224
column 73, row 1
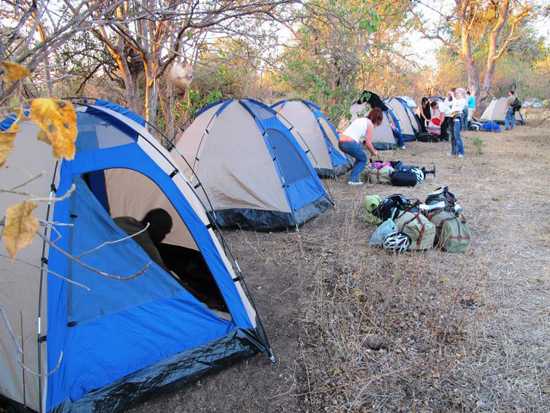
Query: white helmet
column 397, row 242
column 419, row 175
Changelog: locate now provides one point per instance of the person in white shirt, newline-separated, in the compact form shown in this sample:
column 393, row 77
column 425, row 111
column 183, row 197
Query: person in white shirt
column 352, row 139
column 459, row 102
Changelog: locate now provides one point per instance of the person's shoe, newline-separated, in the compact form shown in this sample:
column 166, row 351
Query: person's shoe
column 461, row 156
column 403, row 147
column 355, row 183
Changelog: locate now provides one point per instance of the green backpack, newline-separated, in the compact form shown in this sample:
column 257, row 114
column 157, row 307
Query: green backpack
column 371, row 203
column 419, row 229
column 453, row 235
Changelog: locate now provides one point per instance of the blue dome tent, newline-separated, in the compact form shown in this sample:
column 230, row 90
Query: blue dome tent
column 317, row 136
column 408, row 124
column 114, row 325
column 254, row 171
column 386, row 135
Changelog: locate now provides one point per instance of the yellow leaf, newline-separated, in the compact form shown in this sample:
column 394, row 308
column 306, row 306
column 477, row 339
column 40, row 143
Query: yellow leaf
column 20, row 227
column 6, row 142
column 14, row 71
column 43, row 137
column 57, row 119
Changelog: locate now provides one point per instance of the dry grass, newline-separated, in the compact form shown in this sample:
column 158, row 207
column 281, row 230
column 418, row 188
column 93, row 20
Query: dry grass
column 357, row 330
column 435, row 331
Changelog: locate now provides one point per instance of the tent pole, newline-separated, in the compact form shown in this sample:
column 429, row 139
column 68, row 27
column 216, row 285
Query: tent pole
column 23, row 358
column 39, row 339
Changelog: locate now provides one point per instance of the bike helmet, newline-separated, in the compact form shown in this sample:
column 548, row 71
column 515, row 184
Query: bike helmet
column 397, row 242
column 419, row 175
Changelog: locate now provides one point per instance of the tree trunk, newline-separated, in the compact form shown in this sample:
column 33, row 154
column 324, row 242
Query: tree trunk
column 151, row 93
column 490, row 65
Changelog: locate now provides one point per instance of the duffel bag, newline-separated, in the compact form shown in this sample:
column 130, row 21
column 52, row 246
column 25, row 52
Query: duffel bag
column 403, row 178
column 419, row 229
column 452, row 233
column 375, row 175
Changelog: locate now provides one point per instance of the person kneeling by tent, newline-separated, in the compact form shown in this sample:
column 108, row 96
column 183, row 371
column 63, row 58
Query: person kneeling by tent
column 149, row 232
column 349, row 141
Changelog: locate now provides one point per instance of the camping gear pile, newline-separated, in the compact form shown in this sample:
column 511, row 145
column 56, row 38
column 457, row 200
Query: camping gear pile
column 408, row 225
column 395, row 173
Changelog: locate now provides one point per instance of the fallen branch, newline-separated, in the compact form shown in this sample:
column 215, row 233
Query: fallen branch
column 19, row 350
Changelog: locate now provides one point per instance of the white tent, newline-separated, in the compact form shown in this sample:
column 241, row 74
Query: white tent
column 407, row 122
column 496, row 111
column 314, row 134
column 383, row 138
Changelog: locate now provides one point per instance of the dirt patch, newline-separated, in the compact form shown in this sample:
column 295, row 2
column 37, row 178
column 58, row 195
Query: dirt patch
column 356, row 329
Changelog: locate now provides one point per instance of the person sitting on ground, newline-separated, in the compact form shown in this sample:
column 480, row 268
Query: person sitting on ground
column 436, row 119
column 351, row 139
column 160, row 225
column 510, row 119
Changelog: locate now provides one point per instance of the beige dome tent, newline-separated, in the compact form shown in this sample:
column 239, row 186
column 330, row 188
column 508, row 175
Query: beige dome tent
column 408, row 124
column 496, row 111
column 383, row 138
column 317, row 137
column 254, row 172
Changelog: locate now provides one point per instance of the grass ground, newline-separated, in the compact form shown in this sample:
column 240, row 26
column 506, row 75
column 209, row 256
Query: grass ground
column 358, row 330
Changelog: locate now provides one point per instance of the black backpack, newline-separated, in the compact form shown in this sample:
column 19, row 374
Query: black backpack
column 442, row 194
column 389, row 204
column 516, row 105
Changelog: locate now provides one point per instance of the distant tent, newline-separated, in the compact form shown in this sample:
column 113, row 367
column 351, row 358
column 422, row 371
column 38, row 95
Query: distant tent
column 408, row 123
column 255, row 173
column 103, row 343
column 315, row 134
column 496, row 111
column 384, row 138
column 409, row 101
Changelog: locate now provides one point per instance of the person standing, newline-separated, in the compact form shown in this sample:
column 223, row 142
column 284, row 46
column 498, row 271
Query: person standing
column 445, row 108
column 424, row 113
column 471, row 106
column 352, row 139
column 457, row 108
column 510, row 119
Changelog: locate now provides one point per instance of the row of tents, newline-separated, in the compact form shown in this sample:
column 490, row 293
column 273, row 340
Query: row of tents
column 88, row 322
column 113, row 325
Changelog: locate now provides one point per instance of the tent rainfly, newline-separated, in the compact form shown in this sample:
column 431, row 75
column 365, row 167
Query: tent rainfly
column 253, row 170
column 114, row 324
column 496, row 111
column 315, row 134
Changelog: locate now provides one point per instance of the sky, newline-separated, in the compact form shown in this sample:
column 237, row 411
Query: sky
column 425, row 50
